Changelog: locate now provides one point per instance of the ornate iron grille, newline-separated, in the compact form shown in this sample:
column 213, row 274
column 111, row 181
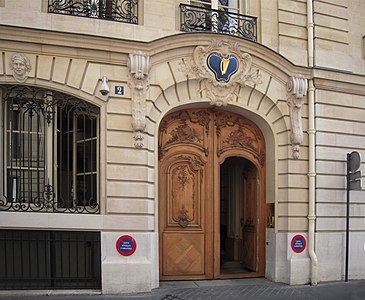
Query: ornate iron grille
column 194, row 18
column 49, row 259
column 49, row 152
column 115, row 10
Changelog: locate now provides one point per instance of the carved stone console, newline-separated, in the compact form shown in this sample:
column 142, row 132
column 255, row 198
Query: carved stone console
column 139, row 83
column 297, row 88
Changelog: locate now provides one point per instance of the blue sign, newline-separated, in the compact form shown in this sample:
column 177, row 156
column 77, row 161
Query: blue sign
column 223, row 67
column 298, row 243
column 126, row 245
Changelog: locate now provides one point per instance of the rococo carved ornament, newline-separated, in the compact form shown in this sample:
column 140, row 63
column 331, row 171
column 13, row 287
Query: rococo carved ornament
column 20, row 65
column 182, row 176
column 221, row 68
column 195, row 163
column 139, row 83
column 184, row 131
column 241, row 134
column 297, row 87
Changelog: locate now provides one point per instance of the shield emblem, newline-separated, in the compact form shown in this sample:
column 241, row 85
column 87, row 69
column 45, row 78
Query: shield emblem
column 223, row 67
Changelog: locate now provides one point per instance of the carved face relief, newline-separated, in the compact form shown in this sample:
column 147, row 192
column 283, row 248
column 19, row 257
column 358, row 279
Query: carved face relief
column 223, row 67
column 20, row 65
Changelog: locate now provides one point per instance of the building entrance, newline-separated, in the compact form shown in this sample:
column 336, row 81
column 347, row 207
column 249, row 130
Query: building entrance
column 211, row 196
column 239, row 205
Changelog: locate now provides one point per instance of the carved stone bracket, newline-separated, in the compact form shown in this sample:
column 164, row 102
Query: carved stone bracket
column 221, row 68
column 139, row 83
column 297, row 88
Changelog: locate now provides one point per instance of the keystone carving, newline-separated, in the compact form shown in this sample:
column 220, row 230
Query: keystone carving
column 139, row 83
column 297, row 88
column 221, row 68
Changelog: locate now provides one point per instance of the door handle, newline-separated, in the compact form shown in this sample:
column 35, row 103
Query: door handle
column 183, row 219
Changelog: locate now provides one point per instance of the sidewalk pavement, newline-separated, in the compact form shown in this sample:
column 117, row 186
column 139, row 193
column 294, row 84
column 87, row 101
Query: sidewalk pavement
column 253, row 288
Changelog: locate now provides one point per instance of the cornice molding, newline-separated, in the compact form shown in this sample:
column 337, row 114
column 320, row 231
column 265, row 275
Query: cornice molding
column 64, row 44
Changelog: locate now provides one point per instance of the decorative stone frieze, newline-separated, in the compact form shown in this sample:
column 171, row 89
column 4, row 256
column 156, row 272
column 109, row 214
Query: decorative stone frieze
column 139, row 83
column 221, row 68
column 20, row 65
column 297, row 87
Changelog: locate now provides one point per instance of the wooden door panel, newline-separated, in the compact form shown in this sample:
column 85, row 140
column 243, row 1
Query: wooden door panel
column 250, row 220
column 249, row 258
column 185, row 178
column 192, row 144
column 183, row 190
column 183, row 254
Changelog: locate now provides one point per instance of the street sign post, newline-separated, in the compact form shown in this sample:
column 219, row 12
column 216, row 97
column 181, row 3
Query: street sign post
column 354, row 182
column 353, row 172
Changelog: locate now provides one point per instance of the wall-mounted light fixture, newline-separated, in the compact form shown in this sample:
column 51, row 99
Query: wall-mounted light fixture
column 104, row 87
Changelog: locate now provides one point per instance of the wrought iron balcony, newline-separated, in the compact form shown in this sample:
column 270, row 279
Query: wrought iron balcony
column 125, row 11
column 195, row 18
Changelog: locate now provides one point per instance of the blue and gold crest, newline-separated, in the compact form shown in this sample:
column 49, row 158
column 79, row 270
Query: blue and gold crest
column 223, row 67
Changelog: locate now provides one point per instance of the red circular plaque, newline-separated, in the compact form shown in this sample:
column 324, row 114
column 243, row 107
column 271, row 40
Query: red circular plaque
column 126, row 245
column 298, row 243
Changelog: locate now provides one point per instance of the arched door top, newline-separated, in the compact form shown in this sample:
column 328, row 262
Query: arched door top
column 233, row 133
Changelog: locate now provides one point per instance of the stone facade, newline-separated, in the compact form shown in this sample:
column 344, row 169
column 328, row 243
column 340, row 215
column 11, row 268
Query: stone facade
column 71, row 54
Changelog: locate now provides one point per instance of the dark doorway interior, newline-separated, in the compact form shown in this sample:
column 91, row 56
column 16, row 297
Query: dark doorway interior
column 238, row 216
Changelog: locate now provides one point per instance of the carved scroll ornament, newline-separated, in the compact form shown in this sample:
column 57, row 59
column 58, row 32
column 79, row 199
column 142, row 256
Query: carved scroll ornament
column 139, row 84
column 297, row 88
column 221, row 68
column 185, row 127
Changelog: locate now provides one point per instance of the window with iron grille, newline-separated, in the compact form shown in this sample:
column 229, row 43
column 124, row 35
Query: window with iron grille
column 221, row 16
column 50, row 146
column 125, row 11
column 232, row 5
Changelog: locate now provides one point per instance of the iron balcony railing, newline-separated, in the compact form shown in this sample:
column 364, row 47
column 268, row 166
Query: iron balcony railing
column 125, row 11
column 195, row 18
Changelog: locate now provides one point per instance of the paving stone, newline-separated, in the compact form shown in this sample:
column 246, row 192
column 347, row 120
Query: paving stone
column 230, row 290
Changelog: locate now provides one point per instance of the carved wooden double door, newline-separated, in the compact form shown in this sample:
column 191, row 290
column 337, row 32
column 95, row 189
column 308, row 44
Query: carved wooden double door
column 192, row 146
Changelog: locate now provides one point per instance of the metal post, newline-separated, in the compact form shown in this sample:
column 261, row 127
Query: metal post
column 347, row 218
column 353, row 178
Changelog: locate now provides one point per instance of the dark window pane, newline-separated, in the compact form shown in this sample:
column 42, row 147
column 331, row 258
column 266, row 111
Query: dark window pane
column 86, row 157
column 86, row 190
